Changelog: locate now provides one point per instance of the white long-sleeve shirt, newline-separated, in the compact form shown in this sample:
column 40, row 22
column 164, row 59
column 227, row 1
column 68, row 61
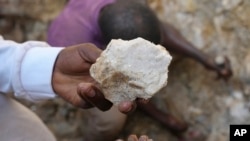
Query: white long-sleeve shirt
column 26, row 69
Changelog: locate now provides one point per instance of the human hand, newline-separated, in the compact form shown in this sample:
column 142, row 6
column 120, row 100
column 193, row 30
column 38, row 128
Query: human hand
column 223, row 68
column 71, row 79
column 135, row 138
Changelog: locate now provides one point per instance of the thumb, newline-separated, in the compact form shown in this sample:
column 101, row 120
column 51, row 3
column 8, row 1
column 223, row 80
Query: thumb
column 89, row 52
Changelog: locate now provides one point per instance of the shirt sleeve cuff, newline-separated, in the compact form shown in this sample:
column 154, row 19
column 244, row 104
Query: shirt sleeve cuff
column 36, row 73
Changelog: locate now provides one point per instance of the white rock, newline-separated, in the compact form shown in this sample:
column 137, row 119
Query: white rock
column 230, row 4
column 132, row 69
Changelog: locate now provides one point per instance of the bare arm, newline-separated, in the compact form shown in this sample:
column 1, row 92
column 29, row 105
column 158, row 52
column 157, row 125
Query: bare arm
column 176, row 43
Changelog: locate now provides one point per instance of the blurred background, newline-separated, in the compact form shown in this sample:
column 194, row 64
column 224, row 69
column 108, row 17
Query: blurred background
column 193, row 94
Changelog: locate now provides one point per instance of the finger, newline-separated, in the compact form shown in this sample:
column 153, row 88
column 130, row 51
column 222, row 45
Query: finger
column 94, row 96
column 89, row 52
column 127, row 107
column 76, row 100
column 143, row 138
column 81, row 102
column 132, row 138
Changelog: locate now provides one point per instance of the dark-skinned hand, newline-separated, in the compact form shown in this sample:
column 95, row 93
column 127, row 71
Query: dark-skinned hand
column 221, row 65
column 223, row 68
column 71, row 79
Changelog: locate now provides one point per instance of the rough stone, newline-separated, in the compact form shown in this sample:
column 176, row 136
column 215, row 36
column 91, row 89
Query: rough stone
column 132, row 69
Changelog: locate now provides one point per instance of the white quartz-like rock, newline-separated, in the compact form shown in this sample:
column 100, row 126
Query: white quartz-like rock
column 132, row 69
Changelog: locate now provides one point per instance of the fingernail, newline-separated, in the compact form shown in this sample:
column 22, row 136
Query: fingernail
column 91, row 93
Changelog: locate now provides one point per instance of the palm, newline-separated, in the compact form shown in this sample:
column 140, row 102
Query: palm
column 70, row 71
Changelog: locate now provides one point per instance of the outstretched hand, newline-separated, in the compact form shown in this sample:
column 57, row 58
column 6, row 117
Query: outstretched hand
column 71, row 79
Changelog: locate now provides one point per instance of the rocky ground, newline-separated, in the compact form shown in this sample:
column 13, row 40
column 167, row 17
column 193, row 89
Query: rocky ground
column 193, row 94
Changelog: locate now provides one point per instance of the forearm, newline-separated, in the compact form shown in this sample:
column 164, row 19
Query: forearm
column 26, row 69
column 176, row 43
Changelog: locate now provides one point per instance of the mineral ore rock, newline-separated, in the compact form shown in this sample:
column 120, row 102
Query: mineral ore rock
column 132, row 69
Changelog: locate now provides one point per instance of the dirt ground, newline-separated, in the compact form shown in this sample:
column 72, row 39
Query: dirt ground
column 193, row 94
